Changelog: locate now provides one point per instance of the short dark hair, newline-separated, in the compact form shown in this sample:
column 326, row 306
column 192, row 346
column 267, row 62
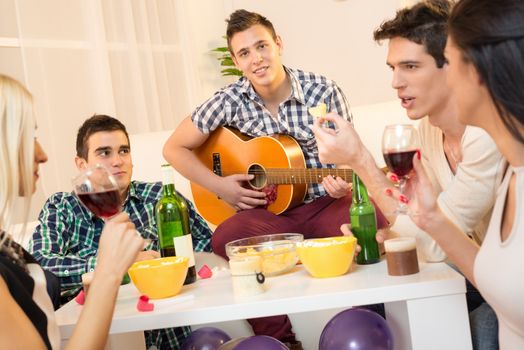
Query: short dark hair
column 425, row 24
column 97, row 123
column 241, row 20
column 490, row 35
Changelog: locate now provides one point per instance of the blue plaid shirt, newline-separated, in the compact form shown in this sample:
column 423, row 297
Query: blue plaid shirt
column 239, row 106
column 66, row 242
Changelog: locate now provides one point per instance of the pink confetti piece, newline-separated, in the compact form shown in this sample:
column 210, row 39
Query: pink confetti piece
column 81, row 298
column 143, row 304
column 205, row 272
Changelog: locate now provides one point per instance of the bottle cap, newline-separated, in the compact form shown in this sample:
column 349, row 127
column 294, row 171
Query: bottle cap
column 168, row 174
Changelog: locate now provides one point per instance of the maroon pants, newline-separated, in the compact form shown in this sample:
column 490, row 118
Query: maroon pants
column 320, row 218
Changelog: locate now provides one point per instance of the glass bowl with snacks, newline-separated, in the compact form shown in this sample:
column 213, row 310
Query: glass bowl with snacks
column 277, row 251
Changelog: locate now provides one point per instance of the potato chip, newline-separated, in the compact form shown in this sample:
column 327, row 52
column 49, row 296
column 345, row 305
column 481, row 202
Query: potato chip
column 319, row 111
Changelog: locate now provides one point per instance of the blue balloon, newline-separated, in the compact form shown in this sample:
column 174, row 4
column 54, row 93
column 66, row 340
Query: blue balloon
column 356, row 329
column 260, row 342
column 206, row 338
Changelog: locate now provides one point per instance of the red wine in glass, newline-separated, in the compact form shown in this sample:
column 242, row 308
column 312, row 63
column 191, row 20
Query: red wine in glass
column 103, row 204
column 98, row 190
column 399, row 144
column 401, row 163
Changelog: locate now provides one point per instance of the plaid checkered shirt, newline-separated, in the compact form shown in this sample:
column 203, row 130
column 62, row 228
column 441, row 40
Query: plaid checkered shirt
column 239, row 106
column 66, row 242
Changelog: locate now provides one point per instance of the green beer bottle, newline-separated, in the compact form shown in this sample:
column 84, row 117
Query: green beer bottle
column 364, row 223
column 126, row 279
column 172, row 217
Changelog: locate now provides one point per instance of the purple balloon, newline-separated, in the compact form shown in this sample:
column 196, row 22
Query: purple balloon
column 260, row 342
column 356, row 329
column 206, row 338
column 230, row 345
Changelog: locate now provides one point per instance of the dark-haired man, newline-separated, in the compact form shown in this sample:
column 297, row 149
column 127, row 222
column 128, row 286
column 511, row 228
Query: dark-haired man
column 462, row 162
column 66, row 240
column 269, row 99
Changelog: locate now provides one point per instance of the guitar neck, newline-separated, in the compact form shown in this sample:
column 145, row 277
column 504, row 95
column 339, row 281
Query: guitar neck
column 305, row 176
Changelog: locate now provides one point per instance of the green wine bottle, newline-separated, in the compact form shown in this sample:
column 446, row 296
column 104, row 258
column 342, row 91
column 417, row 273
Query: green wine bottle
column 364, row 223
column 172, row 218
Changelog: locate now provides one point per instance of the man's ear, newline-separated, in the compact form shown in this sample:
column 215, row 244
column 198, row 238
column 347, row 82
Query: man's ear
column 280, row 44
column 234, row 59
column 81, row 163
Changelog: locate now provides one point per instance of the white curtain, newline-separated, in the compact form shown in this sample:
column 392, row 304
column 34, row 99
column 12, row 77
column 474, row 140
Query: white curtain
column 130, row 59
column 148, row 62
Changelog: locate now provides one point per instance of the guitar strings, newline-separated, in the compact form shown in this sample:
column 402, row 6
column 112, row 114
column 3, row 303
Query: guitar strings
column 296, row 176
column 291, row 173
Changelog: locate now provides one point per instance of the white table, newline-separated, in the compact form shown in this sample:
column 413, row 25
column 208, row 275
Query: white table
column 425, row 311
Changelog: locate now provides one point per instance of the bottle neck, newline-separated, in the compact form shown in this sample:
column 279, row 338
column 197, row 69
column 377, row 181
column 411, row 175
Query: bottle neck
column 169, row 181
column 168, row 190
column 360, row 193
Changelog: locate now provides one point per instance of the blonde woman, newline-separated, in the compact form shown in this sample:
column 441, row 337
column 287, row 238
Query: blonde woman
column 25, row 304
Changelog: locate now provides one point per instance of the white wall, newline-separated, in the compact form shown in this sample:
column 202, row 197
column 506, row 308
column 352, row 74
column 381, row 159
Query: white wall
column 149, row 63
column 331, row 37
column 334, row 39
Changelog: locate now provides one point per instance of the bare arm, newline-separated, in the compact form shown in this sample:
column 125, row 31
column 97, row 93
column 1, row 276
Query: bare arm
column 119, row 246
column 178, row 151
column 345, row 147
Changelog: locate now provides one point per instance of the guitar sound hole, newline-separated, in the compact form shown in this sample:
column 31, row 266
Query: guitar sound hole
column 260, row 179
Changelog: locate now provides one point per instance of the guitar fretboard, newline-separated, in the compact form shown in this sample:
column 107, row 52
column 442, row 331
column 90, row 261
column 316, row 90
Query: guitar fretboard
column 301, row 176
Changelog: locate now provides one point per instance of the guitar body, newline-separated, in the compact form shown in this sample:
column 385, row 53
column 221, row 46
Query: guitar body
column 228, row 152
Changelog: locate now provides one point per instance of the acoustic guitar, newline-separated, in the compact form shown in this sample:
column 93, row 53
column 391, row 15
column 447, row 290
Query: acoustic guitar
column 276, row 161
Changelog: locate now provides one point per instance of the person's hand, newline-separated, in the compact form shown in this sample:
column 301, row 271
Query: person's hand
column 119, row 246
column 381, row 235
column 346, row 231
column 233, row 192
column 419, row 194
column 336, row 187
column 342, row 146
column 147, row 255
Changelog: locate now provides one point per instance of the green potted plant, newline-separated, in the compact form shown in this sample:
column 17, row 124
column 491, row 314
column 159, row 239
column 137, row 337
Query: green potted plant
column 226, row 62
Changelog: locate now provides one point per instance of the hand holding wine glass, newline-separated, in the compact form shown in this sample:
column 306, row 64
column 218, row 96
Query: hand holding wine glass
column 399, row 145
column 98, row 190
column 119, row 246
column 423, row 205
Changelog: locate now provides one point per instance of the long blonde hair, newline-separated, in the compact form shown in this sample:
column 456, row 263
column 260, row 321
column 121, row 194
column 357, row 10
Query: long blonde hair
column 17, row 131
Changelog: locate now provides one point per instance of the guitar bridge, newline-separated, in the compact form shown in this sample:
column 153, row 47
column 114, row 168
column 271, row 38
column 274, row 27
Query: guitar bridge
column 217, row 166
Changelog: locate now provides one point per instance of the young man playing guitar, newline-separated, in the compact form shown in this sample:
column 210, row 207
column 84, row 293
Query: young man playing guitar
column 269, row 99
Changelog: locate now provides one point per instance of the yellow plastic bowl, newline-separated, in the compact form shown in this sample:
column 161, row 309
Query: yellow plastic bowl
column 327, row 257
column 159, row 278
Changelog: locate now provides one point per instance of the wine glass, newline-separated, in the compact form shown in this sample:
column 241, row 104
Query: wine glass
column 98, row 190
column 399, row 144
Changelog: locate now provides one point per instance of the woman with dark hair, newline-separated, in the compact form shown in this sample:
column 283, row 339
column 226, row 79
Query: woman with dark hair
column 485, row 51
